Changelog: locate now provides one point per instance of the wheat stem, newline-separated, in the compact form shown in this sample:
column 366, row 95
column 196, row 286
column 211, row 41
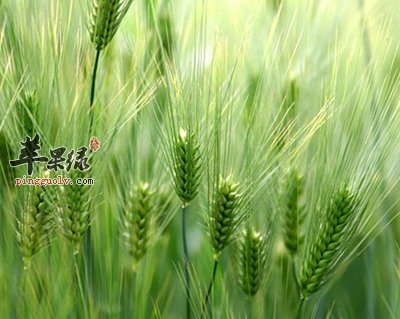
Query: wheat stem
column 93, row 90
column 186, row 261
column 210, row 286
column 294, row 274
column 300, row 309
column 89, row 263
column 79, row 282
column 132, row 295
column 249, row 302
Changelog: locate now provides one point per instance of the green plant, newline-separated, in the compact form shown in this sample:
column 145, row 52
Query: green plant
column 222, row 223
column 322, row 254
column 186, row 175
column 293, row 212
column 305, row 120
column 137, row 221
column 187, row 166
column 28, row 109
column 35, row 225
column 75, row 212
column 224, row 215
column 252, row 261
column 104, row 21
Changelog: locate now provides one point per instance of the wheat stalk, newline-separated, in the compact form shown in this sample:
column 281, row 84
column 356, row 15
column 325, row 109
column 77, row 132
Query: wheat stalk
column 223, row 220
column 104, row 20
column 186, row 175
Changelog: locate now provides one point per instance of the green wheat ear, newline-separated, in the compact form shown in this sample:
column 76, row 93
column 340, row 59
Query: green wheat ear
column 224, row 215
column 293, row 212
column 35, row 225
column 252, row 261
column 137, row 218
column 322, row 254
column 75, row 213
column 187, row 166
column 28, row 107
column 290, row 96
column 105, row 18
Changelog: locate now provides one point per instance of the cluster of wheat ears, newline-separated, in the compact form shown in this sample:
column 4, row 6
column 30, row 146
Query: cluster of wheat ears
column 285, row 199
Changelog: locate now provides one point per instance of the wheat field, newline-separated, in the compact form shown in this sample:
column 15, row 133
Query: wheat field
column 199, row 159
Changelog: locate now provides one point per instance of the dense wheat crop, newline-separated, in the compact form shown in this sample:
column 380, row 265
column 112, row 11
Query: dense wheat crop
column 199, row 159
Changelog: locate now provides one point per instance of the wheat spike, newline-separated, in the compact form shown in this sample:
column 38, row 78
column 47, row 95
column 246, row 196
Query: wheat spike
column 293, row 212
column 187, row 167
column 224, row 215
column 105, row 18
column 323, row 252
column 35, row 225
column 137, row 218
column 75, row 214
column 252, row 261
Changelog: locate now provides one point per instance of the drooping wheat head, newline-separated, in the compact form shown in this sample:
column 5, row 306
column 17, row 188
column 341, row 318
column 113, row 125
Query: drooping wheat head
column 105, row 19
column 252, row 261
column 186, row 166
column 325, row 249
column 293, row 214
column 224, row 215
column 137, row 221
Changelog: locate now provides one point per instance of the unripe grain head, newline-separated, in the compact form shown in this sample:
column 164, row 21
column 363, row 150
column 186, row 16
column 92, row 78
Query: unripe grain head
column 137, row 219
column 293, row 212
column 105, row 18
column 75, row 212
column 325, row 248
column 252, row 261
column 224, row 215
column 28, row 107
column 35, row 225
column 187, row 166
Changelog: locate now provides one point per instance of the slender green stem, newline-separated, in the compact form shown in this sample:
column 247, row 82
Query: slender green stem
column 186, row 261
column 79, row 281
column 24, row 285
column 88, row 264
column 91, row 113
column 93, row 90
column 294, row 273
column 300, row 309
column 250, row 307
column 132, row 296
column 208, row 294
